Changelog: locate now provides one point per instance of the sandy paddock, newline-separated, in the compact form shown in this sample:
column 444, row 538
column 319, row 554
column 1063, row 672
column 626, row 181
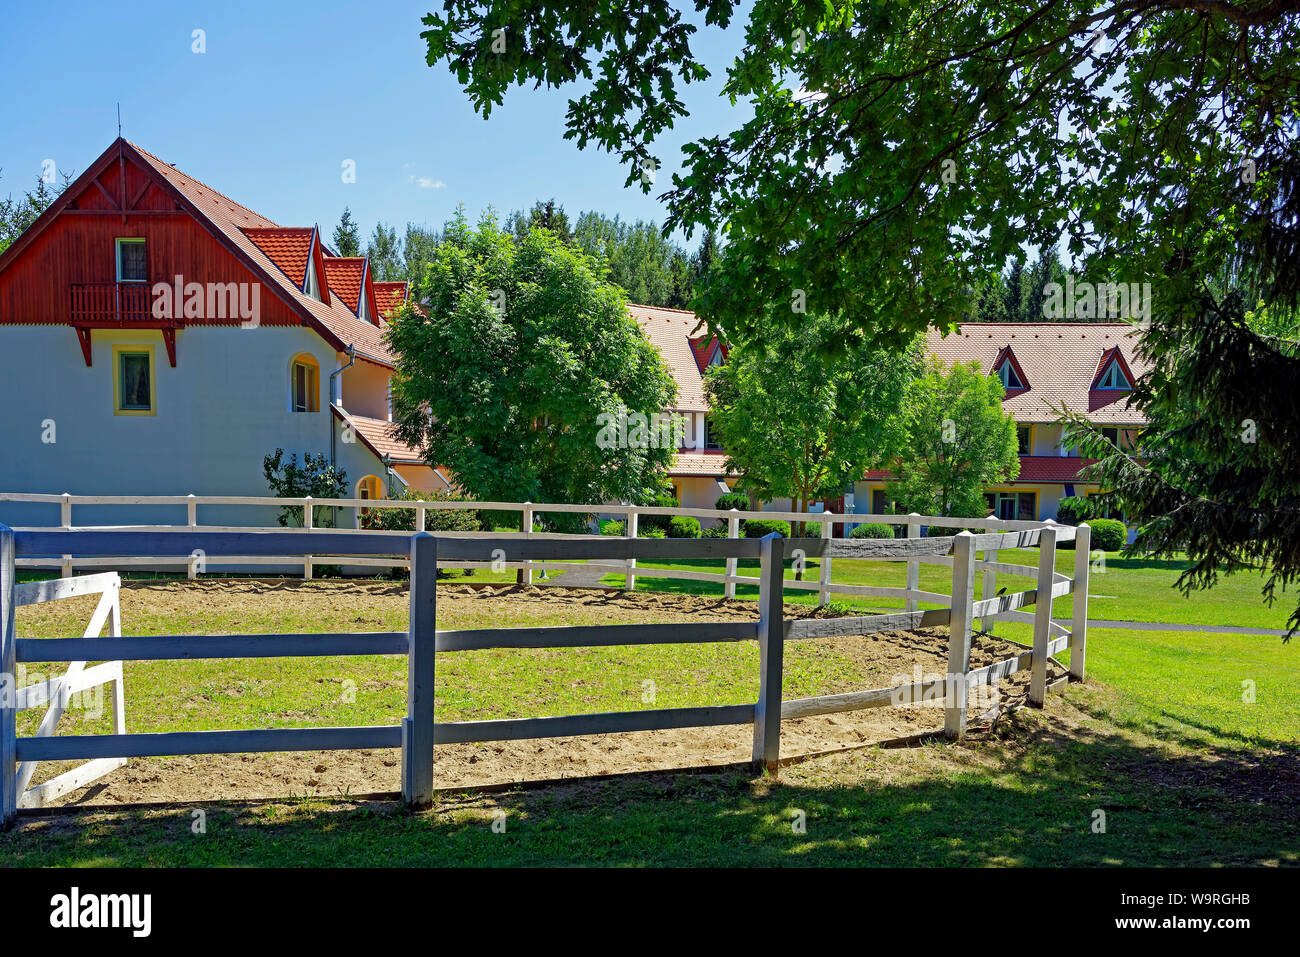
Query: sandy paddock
column 374, row 604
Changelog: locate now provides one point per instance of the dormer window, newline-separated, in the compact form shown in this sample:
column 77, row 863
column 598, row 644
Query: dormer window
column 312, row 286
column 1007, row 373
column 716, row 358
column 363, row 311
column 1114, row 378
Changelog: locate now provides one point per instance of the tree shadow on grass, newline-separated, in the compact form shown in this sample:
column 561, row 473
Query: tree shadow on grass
column 1040, row 789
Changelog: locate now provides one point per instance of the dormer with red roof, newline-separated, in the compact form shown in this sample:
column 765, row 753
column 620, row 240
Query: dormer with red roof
column 709, row 351
column 1007, row 368
column 389, row 297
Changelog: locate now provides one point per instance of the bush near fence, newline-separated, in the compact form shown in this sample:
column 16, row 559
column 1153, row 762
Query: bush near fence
column 872, row 530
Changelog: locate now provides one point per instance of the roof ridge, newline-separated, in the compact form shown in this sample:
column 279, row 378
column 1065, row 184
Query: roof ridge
column 1055, row 325
column 642, row 305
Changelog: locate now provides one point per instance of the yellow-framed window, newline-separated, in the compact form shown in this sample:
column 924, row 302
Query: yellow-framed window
column 135, row 380
column 304, row 384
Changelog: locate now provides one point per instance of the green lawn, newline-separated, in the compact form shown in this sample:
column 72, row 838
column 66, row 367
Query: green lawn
column 1188, row 742
column 1121, row 588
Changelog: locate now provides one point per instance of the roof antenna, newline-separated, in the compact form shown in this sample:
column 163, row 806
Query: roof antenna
column 119, row 121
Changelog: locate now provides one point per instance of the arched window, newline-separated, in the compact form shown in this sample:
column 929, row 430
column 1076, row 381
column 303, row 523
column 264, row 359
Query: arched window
column 304, row 383
column 370, row 487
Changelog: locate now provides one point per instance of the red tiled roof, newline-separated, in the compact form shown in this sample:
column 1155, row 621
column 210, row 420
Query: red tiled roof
column 287, row 246
column 669, row 330
column 1034, row 470
column 389, row 296
column 708, row 464
column 377, row 435
column 345, row 275
column 1059, row 363
column 332, row 317
column 1050, row 469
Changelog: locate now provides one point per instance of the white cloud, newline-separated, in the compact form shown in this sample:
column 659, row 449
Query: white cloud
column 425, row 182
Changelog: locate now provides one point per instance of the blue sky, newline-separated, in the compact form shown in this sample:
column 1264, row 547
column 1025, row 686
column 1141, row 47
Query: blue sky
column 287, row 91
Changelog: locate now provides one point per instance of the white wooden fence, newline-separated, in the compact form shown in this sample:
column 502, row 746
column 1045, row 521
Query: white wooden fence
column 418, row 732
column 528, row 511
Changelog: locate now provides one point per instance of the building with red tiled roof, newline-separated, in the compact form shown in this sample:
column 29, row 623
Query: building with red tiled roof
column 176, row 337
column 1047, row 368
column 1088, row 368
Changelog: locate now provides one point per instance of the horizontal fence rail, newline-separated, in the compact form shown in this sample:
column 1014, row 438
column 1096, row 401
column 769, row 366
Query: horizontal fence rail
column 518, row 551
column 418, row 733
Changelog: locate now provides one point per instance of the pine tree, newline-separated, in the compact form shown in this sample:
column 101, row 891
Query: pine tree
column 347, row 237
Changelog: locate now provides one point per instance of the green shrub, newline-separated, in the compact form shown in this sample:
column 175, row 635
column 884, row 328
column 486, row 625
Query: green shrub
column 612, row 528
column 683, row 526
column 1068, row 510
column 758, row 527
column 435, row 519
column 662, row 499
column 651, row 532
column 718, row 531
column 1108, row 534
column 812, row 529
column 736, row 500
column 873, row 530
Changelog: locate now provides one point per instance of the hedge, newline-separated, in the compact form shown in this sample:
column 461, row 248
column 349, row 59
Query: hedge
column 1108, row 534
column 683, row 526
column 873, row 530
column 758, row 527
column 736, row 500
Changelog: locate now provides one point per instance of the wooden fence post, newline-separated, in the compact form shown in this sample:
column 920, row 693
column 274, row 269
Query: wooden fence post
column 525, row 575
column 1079, row 625
column 9, row 680
column 824, row 592
column 65, row 517
column 990, row 588
column 629, row 582
column 308, row 522
column 959, row 633
column 913, row 566
column 1043, row 615
column 192, row 520
column 771, row 652
column 733, row 532
column 417, row 727
column 117, row 689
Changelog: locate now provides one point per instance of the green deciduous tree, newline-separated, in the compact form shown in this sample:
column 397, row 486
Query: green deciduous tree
column 545, row 214
column 798, row 421
column 957, row 441
column 897, row 153
column 503, row 375
column 418, row 248
column 650, row 267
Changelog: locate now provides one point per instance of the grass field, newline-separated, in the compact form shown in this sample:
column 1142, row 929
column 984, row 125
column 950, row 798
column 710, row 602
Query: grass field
column 1187, row 742
column 1121, row 588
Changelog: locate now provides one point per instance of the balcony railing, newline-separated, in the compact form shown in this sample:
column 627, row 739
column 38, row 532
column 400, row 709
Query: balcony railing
column 95, row 302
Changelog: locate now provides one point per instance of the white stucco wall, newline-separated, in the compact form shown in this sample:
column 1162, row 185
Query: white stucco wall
column 218, row 413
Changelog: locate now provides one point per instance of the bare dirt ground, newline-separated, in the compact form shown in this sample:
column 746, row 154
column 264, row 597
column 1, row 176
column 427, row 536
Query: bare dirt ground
column 382, row 605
